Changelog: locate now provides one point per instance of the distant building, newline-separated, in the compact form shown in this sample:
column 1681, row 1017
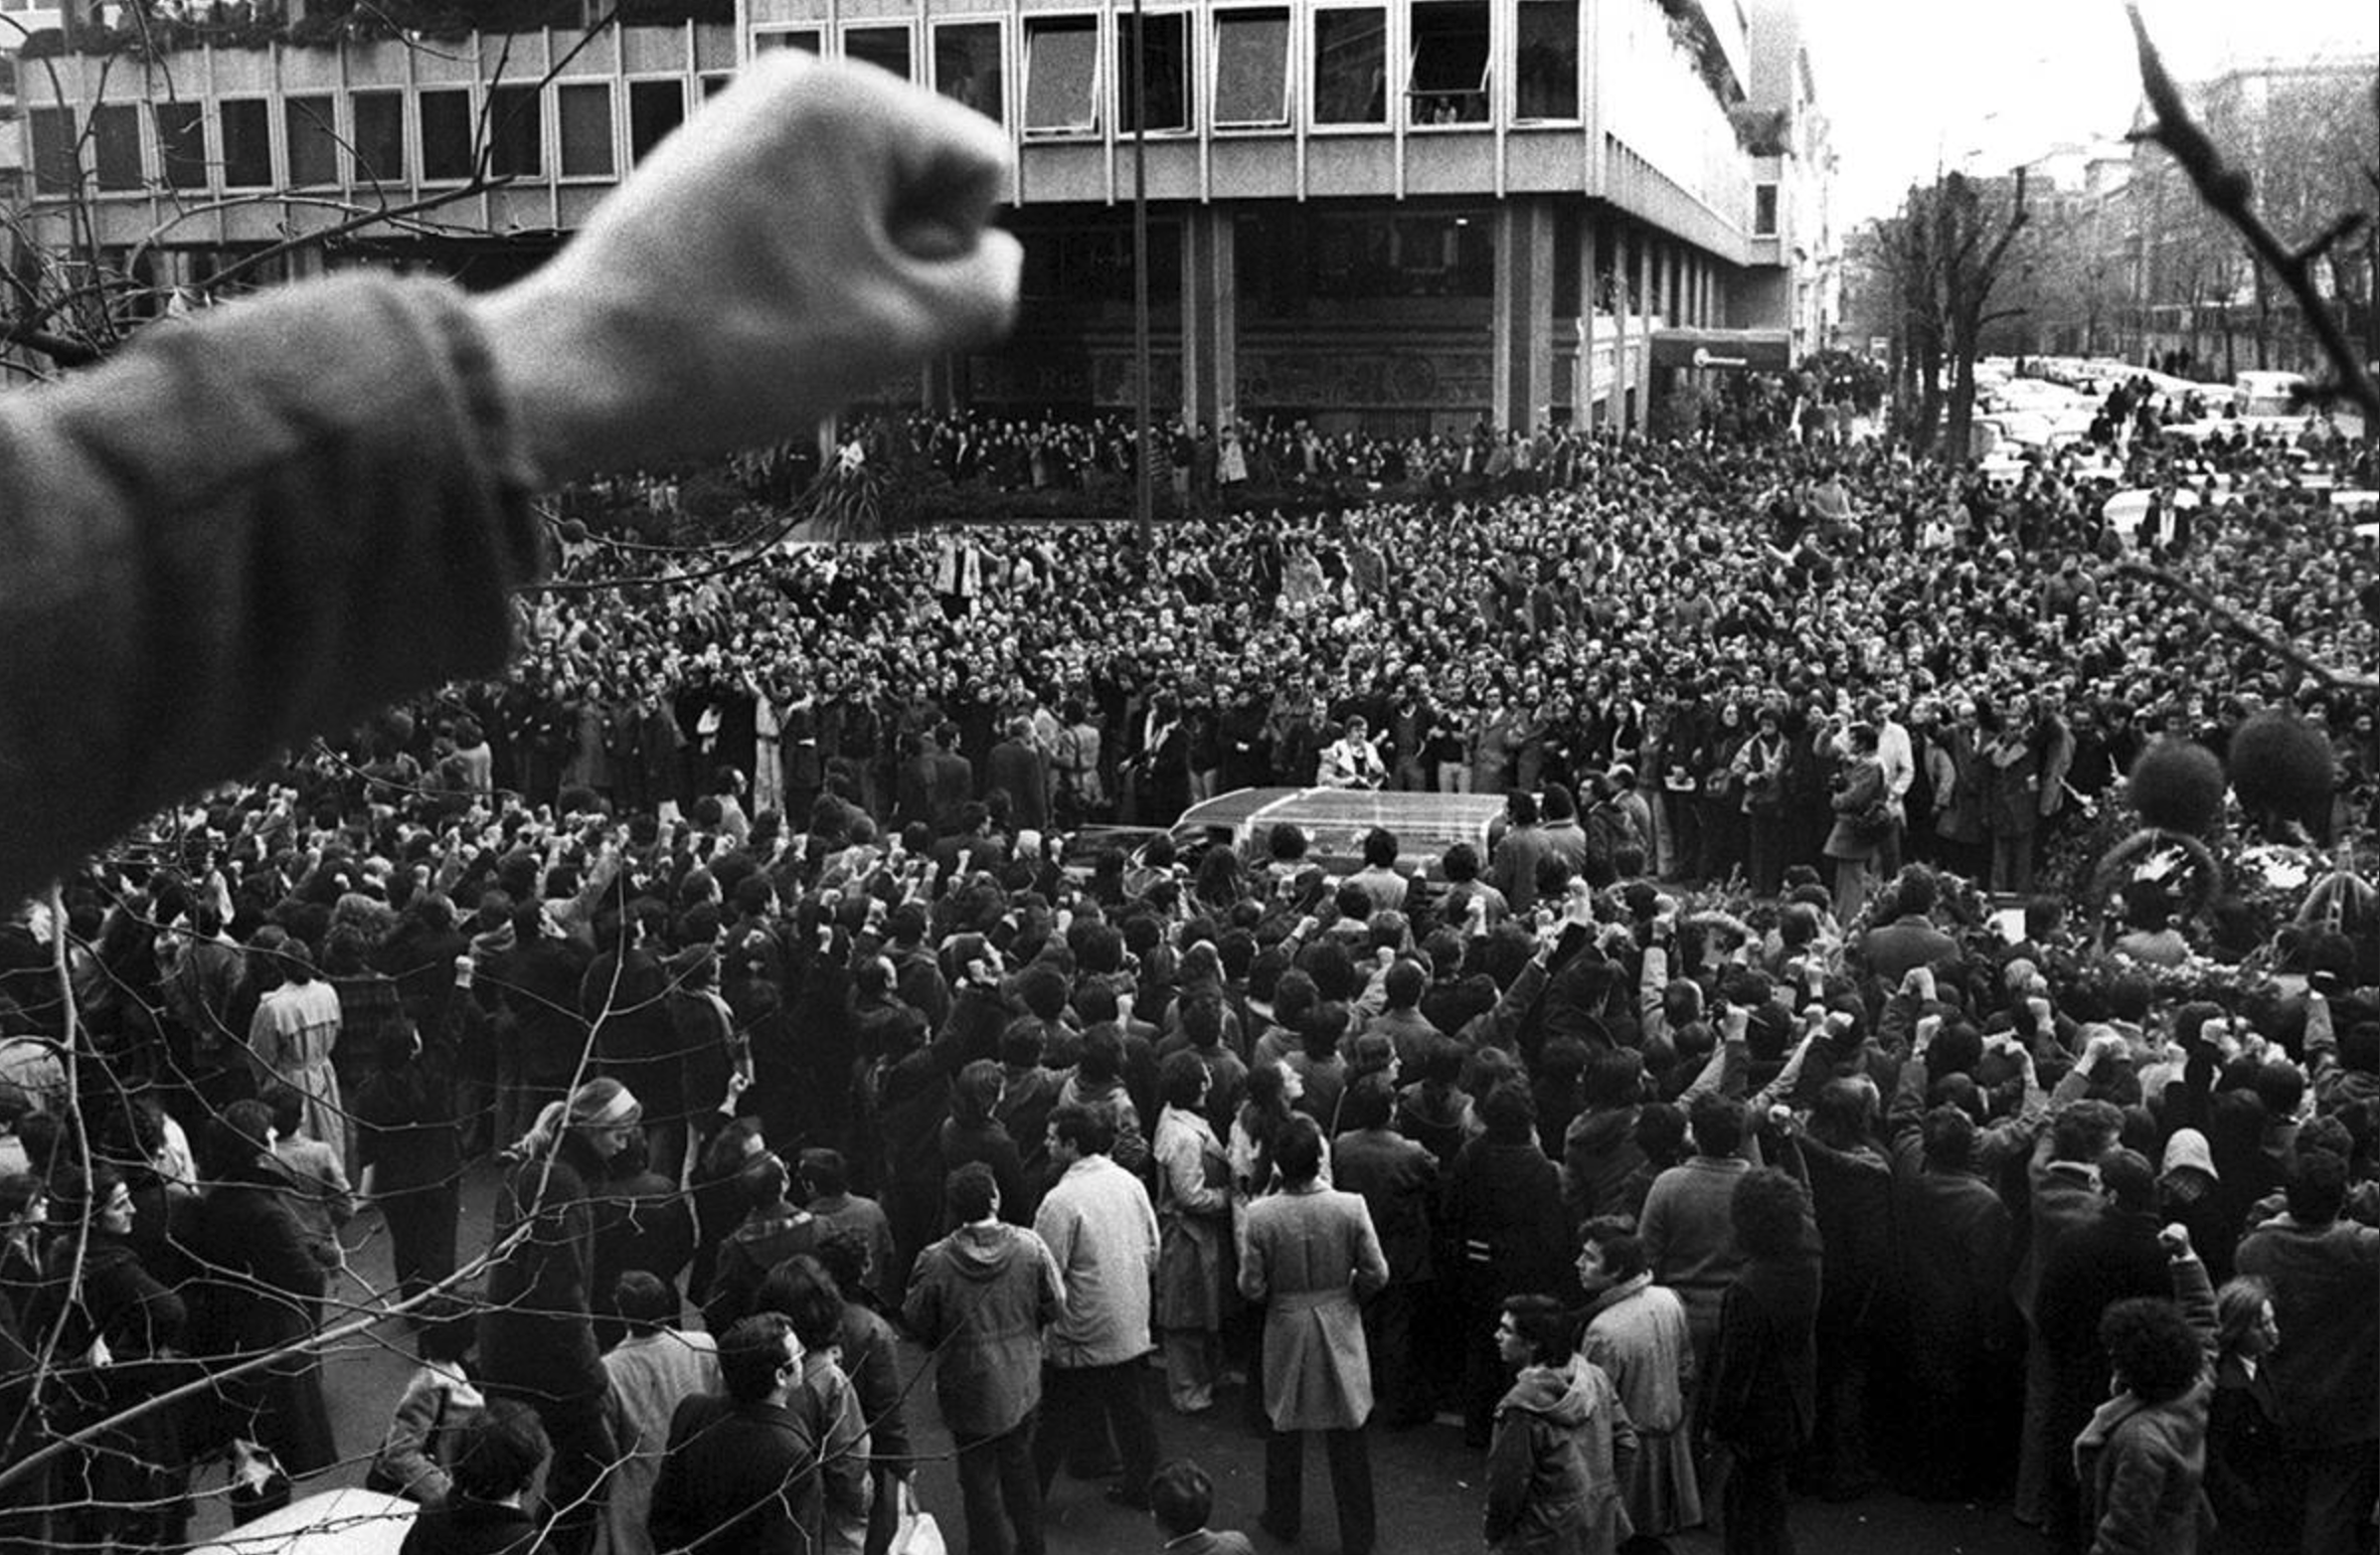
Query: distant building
column 1402, row 214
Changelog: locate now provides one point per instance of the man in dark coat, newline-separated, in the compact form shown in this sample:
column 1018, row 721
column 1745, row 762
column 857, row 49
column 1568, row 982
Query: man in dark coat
column 740, row 1473
column 1892, row 950
column 1398, row 1180
column 950, row 781
column 1961, row 1336
column 2327, row 1372
column 262, row 1292
column 1504, row 1215
column 2097, row 1264
column 1760, row 1402
column 1017, row 767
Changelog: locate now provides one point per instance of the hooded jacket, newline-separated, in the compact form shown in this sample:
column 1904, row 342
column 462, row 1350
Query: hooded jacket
column 761, row 1242
column 978, row 1298
column 1563, row 1447
column 2147, row 1464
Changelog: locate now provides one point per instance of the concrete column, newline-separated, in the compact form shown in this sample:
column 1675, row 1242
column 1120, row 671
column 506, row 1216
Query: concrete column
column 1210, row 316
column 1582, row 392
column 937, row 383
column 1623, row 345
column 1524, row 312
column 1644, row 293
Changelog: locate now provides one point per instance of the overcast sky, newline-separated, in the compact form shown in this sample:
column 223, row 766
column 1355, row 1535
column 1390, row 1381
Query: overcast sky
column 1913, row 85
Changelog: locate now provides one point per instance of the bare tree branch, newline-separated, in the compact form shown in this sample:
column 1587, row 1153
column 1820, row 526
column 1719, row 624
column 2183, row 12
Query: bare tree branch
column 2226, row 190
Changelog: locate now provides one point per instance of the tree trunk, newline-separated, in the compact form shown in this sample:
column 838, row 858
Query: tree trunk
column 1921, row 438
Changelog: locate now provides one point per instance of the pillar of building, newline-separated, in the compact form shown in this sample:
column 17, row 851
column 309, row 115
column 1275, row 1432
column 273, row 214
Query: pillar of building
column 1623, row 309
column 1210, row 317
column 1582, row 389
column 1645, row 261
column 937, row 383
column 1524, row 312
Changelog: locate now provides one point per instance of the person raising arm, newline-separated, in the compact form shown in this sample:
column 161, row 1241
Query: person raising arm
column 266, row 522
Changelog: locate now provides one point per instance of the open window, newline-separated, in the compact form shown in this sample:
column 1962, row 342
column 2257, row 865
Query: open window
column 1062, row 74
column 1252, row 68
column 1162, row 43
column 1446, row 73
column 967, row 67
column 1351, row 65
column 804, row 37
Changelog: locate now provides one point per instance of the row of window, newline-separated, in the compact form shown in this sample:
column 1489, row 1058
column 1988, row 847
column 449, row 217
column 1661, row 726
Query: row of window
column 443, row 134
column 1151, row 76
column 365, row 138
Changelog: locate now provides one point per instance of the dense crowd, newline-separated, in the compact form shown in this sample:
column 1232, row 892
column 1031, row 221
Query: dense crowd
column 741, row 921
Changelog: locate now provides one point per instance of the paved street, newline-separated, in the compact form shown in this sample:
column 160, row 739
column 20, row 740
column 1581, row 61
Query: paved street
column 1428, row 1485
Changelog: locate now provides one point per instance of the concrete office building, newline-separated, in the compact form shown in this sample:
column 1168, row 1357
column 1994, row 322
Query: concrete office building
column 1394, row 214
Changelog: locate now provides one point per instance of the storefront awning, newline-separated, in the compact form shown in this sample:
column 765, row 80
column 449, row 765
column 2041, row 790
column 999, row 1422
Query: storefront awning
column 1760, row 350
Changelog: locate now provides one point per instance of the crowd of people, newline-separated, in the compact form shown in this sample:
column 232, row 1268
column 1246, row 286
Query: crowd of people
column 741, row 923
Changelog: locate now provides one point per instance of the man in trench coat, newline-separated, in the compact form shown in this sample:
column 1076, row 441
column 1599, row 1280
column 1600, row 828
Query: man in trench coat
column 1313, row 1255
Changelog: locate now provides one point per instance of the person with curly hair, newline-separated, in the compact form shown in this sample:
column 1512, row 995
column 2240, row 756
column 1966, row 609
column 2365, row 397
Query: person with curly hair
column 2142, row 1461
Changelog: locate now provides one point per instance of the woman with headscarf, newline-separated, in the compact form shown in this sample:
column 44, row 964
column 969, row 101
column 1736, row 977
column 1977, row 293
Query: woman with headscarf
column 537, row 1337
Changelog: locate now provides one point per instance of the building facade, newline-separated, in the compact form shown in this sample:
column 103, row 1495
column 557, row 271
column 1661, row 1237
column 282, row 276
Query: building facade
column 1402, row 214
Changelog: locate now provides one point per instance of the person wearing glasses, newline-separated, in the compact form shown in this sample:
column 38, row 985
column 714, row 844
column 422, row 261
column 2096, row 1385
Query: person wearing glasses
column 740, row 1473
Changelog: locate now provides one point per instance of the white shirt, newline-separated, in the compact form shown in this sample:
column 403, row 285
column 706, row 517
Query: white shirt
column 1899, row 760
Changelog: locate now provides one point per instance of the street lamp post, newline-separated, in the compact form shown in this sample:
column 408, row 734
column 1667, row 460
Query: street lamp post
column 1144, row 468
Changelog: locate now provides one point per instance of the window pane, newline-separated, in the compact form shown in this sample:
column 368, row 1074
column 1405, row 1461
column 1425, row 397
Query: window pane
column 1351, row 66
column 446, row 136
column 804, row 37
column 246, row 144
column 586, row 132
column 54, row 169
column 1061, row 66
column 115, row 145
column 1546, row 74
column 516, row 137
column 1449, row 64
column 1252, row 67
column 716, row 83
column 1764, row 209
column 966, row 68
column 886, row 47
column 1164, row 67
column 313, row 140
column 379, row 136
column 182, row 144
column 655, row 107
